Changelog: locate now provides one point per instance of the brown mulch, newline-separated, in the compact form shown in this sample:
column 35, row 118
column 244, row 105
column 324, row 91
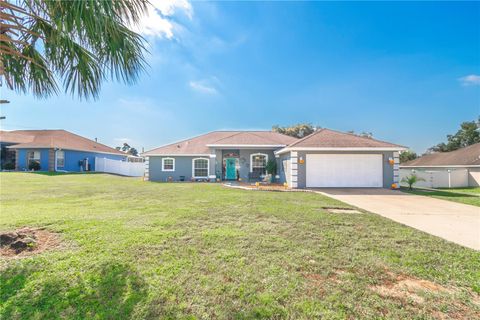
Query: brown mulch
column 27, row 241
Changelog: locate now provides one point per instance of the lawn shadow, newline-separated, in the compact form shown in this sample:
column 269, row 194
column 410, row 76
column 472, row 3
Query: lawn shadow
column 439, row 193
column 111, row 292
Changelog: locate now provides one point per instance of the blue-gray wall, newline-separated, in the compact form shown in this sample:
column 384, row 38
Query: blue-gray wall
column 183, row 164
column 22, row 159
column 387, row 167
column 72, row 159
column 183, row 167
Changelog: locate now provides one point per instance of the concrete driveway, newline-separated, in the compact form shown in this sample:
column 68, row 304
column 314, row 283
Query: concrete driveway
column 456, row 222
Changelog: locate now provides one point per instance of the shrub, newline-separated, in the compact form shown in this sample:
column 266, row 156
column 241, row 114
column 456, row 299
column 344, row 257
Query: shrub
column 34, row 165
column 271, row 167
column 9, row 166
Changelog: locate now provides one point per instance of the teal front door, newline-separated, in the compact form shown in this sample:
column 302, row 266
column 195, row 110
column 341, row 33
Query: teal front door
column 231, row 170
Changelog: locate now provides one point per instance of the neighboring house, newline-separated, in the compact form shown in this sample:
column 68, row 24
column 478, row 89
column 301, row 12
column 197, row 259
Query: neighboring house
column 454, row 169
column 54, row 150
column 326, row 158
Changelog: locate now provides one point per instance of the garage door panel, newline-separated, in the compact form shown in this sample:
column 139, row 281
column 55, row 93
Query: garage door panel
column 344, row 170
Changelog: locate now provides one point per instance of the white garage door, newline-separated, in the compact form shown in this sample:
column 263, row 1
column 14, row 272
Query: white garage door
column 344, row 170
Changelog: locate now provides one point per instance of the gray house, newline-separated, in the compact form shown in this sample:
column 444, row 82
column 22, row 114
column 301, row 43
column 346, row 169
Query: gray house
column 326, row 158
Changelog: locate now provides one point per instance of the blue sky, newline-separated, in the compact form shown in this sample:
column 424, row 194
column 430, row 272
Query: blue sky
column 407, row 72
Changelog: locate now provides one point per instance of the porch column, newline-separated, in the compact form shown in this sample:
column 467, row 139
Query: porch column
column 396, row 165
column 212, row 165
column 146, row 175
column 293, row 169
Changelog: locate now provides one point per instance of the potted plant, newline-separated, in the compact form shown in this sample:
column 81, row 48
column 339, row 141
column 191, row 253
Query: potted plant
column 34, row 166
column 271, row 168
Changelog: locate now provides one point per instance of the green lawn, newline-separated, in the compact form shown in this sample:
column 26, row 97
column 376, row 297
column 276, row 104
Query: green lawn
column 467, row 195
column 471, row 190
column 146, row 250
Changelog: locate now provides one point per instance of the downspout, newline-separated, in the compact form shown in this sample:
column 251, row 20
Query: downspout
column 449, row 179
column 55, row 160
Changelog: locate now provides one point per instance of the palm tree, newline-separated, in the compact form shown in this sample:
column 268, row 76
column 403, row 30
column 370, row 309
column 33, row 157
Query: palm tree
column 79, row 43
column 411, row 180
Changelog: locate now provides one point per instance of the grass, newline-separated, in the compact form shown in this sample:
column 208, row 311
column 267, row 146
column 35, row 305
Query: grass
column 469, row 196
column 143, row 250
column 470, row 190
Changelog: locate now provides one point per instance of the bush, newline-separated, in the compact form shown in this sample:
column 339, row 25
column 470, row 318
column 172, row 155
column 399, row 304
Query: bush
column 271, row 167
column 9, row 166
column 411, row 180
column 34, row 165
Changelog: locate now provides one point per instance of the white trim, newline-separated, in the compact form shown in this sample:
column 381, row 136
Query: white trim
column 179, row 155
column 56, row 159
column 239, row 146
column 213, row 155
column 258, row 154
column 49, row 147
column 193, row 168
column 444, row 166
column 163, row 164
column 293, row 149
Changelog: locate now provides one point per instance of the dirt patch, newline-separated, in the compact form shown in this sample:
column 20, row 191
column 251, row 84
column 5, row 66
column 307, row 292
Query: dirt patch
column 27, row 241
column 341, row 210
column 405, row 287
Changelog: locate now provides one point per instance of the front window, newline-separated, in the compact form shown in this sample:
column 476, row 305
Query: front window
column 33, row 157
column 200, row 168
column 60, row 159
column 168, row 164
column 258, row 163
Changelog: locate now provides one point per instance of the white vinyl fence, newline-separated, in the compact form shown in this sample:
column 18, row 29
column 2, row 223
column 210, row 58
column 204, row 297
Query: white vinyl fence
column 124, row 168
column 439, row 178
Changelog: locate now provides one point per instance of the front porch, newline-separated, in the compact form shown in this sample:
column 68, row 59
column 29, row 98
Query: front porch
column 242, row 165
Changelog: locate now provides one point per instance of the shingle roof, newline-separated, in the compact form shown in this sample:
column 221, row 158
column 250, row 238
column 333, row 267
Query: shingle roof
column 199, row 144
column 53, row 139
column 326, row 138
column 468, row 156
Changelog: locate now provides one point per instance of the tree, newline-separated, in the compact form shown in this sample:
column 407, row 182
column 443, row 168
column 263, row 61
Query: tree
column 407, row 156
column 80, row 43
column 298, row 130
column 468, row 134
column 127, row 149
column 364, row 134
column 411, row 180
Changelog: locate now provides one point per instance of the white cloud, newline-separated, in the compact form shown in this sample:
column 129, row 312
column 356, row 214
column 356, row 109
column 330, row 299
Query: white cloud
column 123, row 140
column 470, row 80
column 203, row 86
column 157, row 22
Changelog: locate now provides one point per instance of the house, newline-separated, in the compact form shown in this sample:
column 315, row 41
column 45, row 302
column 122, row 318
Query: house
column 52, row 150
column 454, row 169
column 325, row 158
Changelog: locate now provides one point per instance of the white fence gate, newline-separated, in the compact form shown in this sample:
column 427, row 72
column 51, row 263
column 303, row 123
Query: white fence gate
column 124, row 168
column 438, row 178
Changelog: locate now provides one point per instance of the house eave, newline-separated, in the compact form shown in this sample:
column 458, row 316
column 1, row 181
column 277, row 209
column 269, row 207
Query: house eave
column 176, row 155
column 284, row 150
column 69, row 149
column 247, row 146
column 443, row 166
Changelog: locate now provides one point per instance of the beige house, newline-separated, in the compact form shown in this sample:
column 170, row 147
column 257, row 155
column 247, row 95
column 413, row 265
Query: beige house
column 455, row 169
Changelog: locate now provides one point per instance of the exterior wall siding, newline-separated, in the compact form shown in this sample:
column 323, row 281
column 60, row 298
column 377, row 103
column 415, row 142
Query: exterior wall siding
column 439, row 177
column 388, row 169
column 183, row 167
column 72, row 158
column 183, row 164
column 23, row 161
column 474, row 177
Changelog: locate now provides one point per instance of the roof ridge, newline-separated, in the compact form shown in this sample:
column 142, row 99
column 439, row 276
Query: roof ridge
column 265, row 137
column 87, row 139
column 307, row 136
